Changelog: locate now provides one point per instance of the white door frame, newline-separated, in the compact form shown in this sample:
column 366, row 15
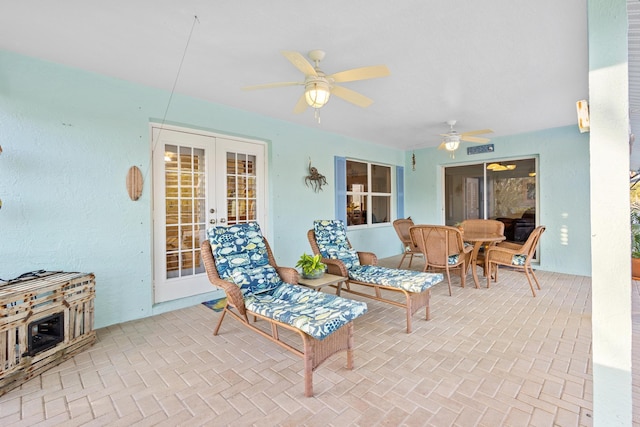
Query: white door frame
column 197, row 283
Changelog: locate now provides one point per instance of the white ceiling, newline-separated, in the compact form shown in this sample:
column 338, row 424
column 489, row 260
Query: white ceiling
column 510, row 65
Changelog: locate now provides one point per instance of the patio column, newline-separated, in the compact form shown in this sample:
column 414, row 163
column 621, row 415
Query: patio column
column 610, row 229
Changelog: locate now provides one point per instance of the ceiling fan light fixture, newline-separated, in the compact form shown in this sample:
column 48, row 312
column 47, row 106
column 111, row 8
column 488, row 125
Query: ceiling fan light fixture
column 451, row 142
column 317, row 93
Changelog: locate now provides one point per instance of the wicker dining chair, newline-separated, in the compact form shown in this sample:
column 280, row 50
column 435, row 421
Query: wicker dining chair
column 443, row 249
column 515, row 256
column 410, row 249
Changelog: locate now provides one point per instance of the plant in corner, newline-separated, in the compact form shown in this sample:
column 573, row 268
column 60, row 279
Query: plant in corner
column 312, row 266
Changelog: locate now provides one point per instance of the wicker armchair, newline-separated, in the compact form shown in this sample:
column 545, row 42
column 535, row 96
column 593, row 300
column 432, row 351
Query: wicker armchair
column 515, row 256
column 410, row 249
column 263, row 290
column 443, row 249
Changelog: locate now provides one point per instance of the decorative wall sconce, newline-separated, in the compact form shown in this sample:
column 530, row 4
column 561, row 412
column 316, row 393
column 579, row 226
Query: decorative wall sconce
column 582, row 107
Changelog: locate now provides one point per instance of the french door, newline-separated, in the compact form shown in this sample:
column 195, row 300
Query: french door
column 200, row 181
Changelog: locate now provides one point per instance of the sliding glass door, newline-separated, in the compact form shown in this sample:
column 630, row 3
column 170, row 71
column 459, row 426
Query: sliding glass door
column 505, row 190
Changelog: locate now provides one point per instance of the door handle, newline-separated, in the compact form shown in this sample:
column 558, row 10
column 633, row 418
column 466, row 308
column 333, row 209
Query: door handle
column 223, row 220
column 212, row 221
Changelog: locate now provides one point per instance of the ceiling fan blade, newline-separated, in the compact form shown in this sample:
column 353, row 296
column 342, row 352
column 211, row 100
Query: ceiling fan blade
column 351, row 96
column 467, row 138
column 301, row 105
column 477, row 132
column 299, row 62
column 363, row 73
column 270, row 85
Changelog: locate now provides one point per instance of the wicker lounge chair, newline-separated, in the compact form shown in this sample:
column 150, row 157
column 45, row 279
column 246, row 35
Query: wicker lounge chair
column 238, row 259
column 329, row 239
column 515, row 256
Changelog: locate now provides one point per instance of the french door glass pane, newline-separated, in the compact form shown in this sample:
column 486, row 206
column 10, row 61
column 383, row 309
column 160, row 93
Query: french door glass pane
column 241, row 188
column 185, row 209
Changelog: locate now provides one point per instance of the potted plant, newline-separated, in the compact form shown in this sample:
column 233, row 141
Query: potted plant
column 312, row 266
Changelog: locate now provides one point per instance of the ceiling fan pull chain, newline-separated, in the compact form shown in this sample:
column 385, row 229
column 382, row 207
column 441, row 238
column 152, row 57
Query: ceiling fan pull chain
column 317, row 114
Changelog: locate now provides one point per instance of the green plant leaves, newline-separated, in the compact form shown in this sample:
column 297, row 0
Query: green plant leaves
column 310, row 264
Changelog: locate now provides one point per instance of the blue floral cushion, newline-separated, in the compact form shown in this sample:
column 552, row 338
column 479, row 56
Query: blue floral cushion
column 408, row 280
column 518, row 259
column 238, row 246
column 453, row 259
column 315, row 313
column 256, row 280
column 331, row 237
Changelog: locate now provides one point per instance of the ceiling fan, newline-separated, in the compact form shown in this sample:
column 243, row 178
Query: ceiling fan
column 318, row 86
column 451, row 140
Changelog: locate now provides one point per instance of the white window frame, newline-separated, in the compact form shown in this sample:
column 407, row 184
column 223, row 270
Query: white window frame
column 369, row 194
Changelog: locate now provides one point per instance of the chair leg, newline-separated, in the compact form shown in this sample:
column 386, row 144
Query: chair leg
column 308, row 367
column 463, row 274
column 402, row 260
column 535, row 277
column 410, row 260
column 491, row 270
column 448, row 281
column 224, row 311
column 526, row 272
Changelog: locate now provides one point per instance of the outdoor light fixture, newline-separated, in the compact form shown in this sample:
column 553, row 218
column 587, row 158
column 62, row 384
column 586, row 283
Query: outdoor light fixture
column 582, row 108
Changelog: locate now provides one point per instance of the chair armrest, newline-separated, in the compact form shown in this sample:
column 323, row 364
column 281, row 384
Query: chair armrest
column 288, row 274
column 367, row 258
column 501, row 254
column 509, row 245
column 335, row 266
column 233, row 293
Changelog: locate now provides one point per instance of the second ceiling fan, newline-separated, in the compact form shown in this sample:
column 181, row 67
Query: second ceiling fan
column 451, row 140
column 318, row 86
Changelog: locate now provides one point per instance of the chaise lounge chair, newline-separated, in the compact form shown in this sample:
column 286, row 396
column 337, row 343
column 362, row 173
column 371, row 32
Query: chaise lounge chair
column 329, row 239
column 238, row 259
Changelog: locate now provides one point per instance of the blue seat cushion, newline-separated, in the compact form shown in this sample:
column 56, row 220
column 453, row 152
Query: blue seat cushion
column 518, row 260
column 239, row 246
column 316, row 313
column 256, row 280
column 331, row 237
column 410, row 281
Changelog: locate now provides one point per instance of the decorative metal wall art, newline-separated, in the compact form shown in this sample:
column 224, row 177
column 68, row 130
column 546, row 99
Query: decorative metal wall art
column 315, row 179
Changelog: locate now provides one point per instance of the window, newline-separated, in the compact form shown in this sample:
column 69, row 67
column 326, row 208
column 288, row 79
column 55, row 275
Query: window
column 368, row 193
column 505, row 190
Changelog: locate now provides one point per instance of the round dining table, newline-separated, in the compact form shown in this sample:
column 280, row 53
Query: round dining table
column 479, row 238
